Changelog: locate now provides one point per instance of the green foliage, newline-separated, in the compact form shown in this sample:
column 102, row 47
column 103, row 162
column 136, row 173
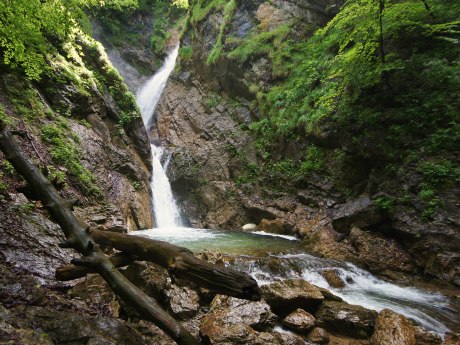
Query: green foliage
column 65, row 151
column 7, row 167
column 26, row 208
column 216, row 51
column 3, row 185
column 185, row 53
column 137, row 185
column 202, row 8
column 4, row 118
column 385, row 203
column 27, row 27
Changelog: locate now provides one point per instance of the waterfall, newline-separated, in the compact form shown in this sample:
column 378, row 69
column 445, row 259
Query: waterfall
column 149, row 93
column 165, row 209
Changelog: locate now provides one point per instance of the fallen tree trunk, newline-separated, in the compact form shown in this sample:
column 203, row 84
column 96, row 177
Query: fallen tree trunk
column 182, row 264
column 79, row 239
column 71, row 272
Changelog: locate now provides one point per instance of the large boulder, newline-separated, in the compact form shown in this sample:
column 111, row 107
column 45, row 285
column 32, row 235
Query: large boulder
column 235, row 321
column 183, row 301
column 360, row 212
column 380, row 253
column 299, row 321
column 424, row 337
column 393, row 329
column 290, row 294
column 343, row 318
column 318, row 336
column 333, row 278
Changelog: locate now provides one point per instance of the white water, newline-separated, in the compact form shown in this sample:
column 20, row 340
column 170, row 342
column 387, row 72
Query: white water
column 149, row 93
column 427, row 309
column 165, row 209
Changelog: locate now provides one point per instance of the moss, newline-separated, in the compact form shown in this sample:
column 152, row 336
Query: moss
column 66, row 152
column 228, row 11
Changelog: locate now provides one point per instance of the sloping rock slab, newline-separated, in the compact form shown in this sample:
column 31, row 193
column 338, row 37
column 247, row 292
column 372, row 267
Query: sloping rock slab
column 288, row 295
column 343, row 318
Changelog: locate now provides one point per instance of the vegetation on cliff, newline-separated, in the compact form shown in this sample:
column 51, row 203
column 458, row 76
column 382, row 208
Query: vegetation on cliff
column 376, row 87
column 55, row 75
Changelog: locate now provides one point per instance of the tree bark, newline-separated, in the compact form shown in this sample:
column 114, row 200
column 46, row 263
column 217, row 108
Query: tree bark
column 181, row 263
column 71, row 272
column 79, row 238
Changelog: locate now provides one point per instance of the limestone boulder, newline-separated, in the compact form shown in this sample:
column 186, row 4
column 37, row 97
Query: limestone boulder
column 288, row 295
column 393, row 329
column 183, row 301
column 235, row 321
column 424, row 337
column 360, row 212
column 333, row 278
column 347, row 319
column 299, row 321
column 380, row 253
column 318, row 336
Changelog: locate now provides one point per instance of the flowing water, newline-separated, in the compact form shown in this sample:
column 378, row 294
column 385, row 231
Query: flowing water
column 269, row 257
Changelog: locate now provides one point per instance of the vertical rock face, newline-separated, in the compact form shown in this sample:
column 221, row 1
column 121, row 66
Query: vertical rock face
column 92, row 147
column 393, row 329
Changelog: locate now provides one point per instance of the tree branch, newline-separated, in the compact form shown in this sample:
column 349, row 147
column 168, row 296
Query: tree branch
column 74, row 229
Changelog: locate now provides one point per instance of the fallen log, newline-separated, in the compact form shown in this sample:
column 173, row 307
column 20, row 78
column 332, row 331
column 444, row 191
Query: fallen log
column 72, row 272
column 79, row 239
column 181, row 263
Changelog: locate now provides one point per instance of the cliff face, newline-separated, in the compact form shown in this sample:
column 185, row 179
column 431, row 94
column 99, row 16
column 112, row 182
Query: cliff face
column 227, row 175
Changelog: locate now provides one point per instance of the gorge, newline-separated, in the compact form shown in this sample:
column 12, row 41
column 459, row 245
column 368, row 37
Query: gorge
column 335, row 133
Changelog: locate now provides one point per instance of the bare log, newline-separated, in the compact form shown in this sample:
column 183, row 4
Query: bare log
column 182, row 264
column 71, row 272
column 74, row 230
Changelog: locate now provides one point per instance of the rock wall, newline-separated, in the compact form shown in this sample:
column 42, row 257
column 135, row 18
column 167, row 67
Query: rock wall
column 203, row 119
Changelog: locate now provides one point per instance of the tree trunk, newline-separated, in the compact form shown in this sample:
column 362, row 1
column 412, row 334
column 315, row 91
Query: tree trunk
column 181, row 263
column 80, row 239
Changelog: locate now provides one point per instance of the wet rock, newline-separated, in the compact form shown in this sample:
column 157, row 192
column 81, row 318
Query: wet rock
column 183, row 301
column 29, row 241
column 288, row 295
column 68, row 327
column 235, row 321
column 360, row 212
column 94, row 291
column 299, row 321
column 150, row 278
column 380, row 253
column 424, row 337
column 343, row 318
column 393, row 329
column 452, row 339
column 275, row 226
column 318, row 336
column 333, row 278
column 329, row 296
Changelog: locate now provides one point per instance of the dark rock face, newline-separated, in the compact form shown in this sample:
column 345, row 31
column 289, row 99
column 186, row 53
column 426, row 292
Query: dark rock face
column 393, row 329
column 343, row 318
column 288, row 295
column 361, row 213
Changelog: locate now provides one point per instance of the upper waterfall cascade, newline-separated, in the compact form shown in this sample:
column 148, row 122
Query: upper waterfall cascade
column 164, row 206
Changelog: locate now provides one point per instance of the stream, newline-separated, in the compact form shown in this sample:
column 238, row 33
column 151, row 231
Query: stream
column 268, row 257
